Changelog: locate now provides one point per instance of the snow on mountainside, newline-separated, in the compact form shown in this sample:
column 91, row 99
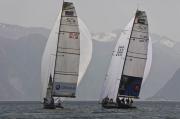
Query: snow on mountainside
column 15, row 32
column 105, row 37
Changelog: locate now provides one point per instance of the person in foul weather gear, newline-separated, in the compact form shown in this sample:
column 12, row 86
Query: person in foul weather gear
column 122, row 100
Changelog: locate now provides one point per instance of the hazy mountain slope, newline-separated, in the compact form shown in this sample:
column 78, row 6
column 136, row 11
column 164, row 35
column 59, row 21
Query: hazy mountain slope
column 21, row 49
column 15, row 32
column 20, row 63
column 170, row 90
column 90, row 87
column 164, row 63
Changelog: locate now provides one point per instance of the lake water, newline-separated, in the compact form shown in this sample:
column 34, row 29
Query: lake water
column 89, row 110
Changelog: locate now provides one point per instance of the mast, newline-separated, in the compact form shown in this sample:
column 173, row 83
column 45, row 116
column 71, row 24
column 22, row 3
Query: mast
column 57, row 49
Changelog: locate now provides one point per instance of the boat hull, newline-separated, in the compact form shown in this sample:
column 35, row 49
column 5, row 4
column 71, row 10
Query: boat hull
column 49, row 106
column 59, row 106
column 120, row 106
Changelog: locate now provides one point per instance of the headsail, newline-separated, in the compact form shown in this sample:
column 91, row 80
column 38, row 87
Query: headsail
column 111, row 84
column 68, row 53
column 128, row 61
column 49, row 89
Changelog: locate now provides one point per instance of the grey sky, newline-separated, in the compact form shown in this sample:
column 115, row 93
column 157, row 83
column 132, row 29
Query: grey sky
column 99, row 15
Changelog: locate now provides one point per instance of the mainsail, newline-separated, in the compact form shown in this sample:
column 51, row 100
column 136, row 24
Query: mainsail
column 66, row 67
column 49, row 55
column 128, row 61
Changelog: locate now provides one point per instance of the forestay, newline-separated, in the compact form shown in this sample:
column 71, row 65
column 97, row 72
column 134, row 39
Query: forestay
column 66, row 69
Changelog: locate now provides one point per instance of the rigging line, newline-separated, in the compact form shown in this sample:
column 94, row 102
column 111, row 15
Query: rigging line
column 69, row 32
column 138, row 38
column 140, row 31
column 68, row 48
column 136, row 57
column 142, row 24
column 69, row 53
column 69, row 24
column 69, row 16
column 66, row 74
column 136, row 53
column 72, row 8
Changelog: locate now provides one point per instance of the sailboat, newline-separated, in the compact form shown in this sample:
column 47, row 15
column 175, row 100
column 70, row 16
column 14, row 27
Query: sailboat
column 63, row 72
column 126, row 71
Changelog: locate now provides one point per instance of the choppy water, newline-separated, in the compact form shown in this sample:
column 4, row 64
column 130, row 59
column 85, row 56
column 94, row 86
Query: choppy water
column 90, row 110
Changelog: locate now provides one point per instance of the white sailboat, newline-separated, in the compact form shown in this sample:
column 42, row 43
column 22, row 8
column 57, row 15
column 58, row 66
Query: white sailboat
column 62, row 77
column 126, row 71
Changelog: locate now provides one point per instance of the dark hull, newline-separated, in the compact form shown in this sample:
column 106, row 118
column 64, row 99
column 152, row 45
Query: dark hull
column 120, row 106
column 49, row 106
column 59, row 106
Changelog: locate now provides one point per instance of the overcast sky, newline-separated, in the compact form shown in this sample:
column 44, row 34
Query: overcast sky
column 98, row 15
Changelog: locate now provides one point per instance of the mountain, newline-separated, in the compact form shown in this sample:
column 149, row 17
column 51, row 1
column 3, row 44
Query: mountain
column 170, row 90
column 90, row 86
column 21, row 49
column 165, row 62
column 15, row 32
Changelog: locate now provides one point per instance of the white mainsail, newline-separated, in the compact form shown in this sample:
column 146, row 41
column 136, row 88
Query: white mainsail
column 128, row 60
column 66, row 69
column 48, row 59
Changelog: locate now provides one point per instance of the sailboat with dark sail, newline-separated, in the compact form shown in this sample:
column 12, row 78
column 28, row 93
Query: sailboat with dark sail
column 63, row 73
column 126, row 71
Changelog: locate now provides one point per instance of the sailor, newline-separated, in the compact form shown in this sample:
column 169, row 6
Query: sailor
column 118, row 100
column 105, row 100
column 122, row 100
column 131, row 101
column 127, row 101
column 59, row 104
column 45, row 100
column 52, row 101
